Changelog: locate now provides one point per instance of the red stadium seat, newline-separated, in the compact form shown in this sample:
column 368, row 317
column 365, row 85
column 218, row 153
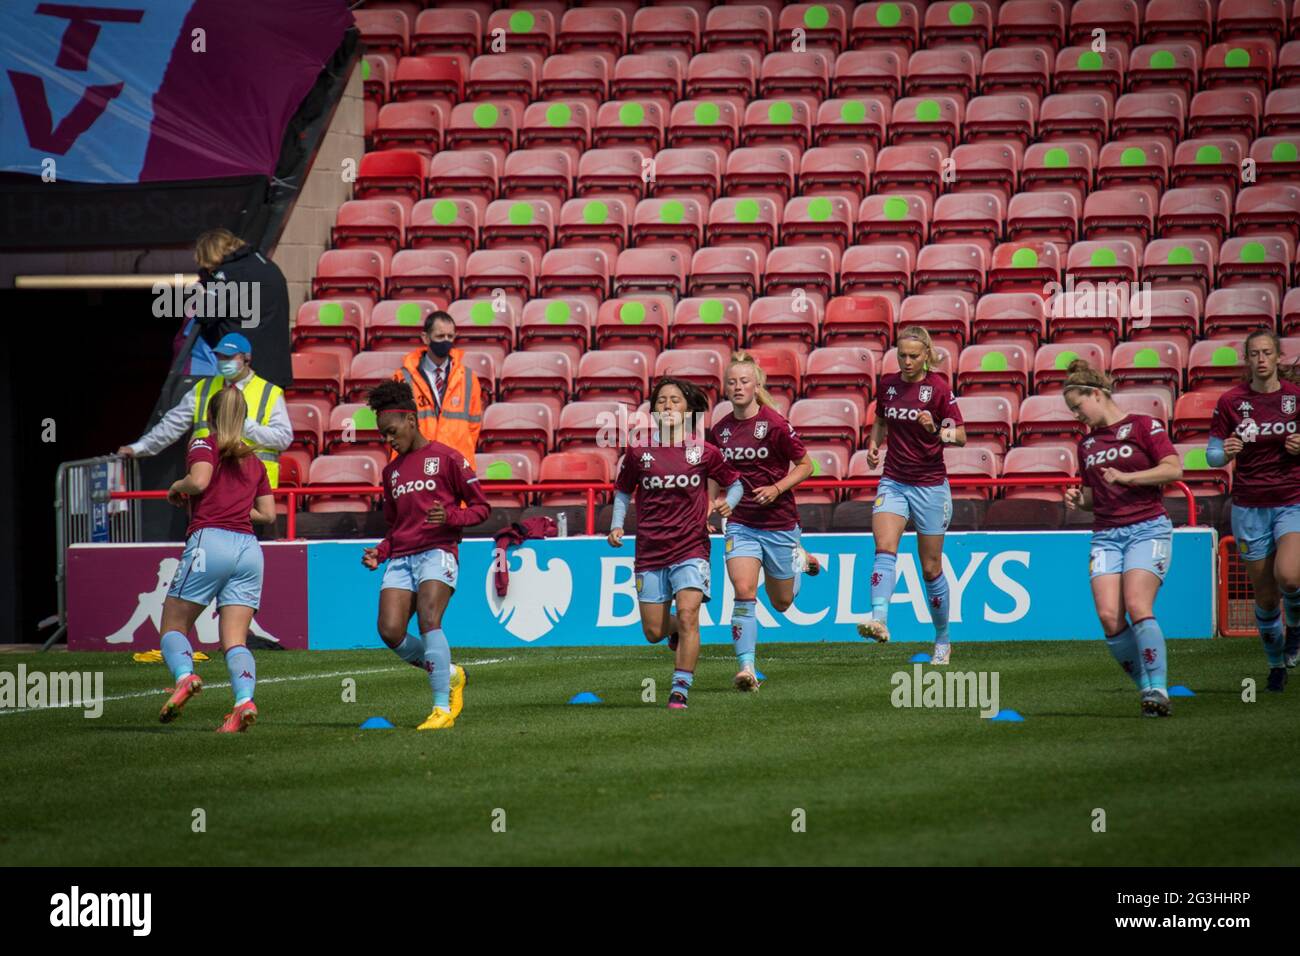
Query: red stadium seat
column 894, row 218
column 819, row 219
column 999, row 369
column 714, row 124
column 1291, row 312
column 544, row 172
column 673, row 222
column 595, row 223
column 786, row 320
column 1240, row 19
column 397, row 324
column 1178, row 19
column 614, row 375
column 750, row 221
column 557, row 325
column 575, row 74
column 1030, row 22
column 1103, row 260
column 958, row 22
column 563, row 123
column 1234, row 110
column 308, row 427
column 587, row 465
column 1118, row 18
column 1016, row 70
column 350, row 273
column 1240, row 310
column 926, row 118
column 1245, row 61
column 986, row 167
column 1075, row 116
column 795, row 74
column 417, row 125
column 352, row 428
column 853, row 319
column 1195, row 210
column 1046, row 419
column 1150, row 113
column 452, row 30
column 1066, row 164
column 1263, row 258
column 859, row 72
column 835, row 170
column 537, row 376
column 841, row 372
column 877, row 267
column 527, row 223
column 1183, row 263
column 1002, row 116
column 368, row 369
column 483, row 126
column 951, row 267
column 744, row 27
column 649, row 75
column 509, row 269
column 394, row 171
column 725, row 73
column 525, row 428
column 342, row 470
column 574, row 272
column 593, row 427
column 783, row 122
column 783, row 366
column 1193, row 414
column 944, row 315
column 1120, row 211
column 1150, row 362
column 1024, row 267
column 650, row 270
column 487, row 325
column 384, row 31
column 1010, row 315
column 1273, row 207
column 1052, row 362
column 424, row 274
column 425, row 77
column 1044, row 215
column 722, row 269
column 1124, row 163
column 712, row 321
column 914, row 166
column 1275, row 158
column 811, row 268
column 1288, row 65
column 822, row 25
column 513, row 75
column 1153, row 402
column 990, row 422
column 952, row 70
column 338, row 321
column 1167, row 64
column 833, row 422
column 612, row 170
column 1214, row 363
column 665, row 28
column 475, row 171
column 1035, row 462
column 701, row 367
column 316, row 375
column 886, row 24
column 686, row 170
column 1079, row 69
column 1207, row 161
column 377, row 71
column 593, row 29
column 445, row 220
column 499, row 467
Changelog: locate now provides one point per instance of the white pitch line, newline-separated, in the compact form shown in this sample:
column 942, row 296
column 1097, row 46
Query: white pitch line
column 267, row 680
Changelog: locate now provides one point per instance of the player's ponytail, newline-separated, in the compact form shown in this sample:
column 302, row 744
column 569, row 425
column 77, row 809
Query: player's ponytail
column 929, row 353
column 1081, row 375
column 761, row 394
column 227, row 412
column 1287, row 373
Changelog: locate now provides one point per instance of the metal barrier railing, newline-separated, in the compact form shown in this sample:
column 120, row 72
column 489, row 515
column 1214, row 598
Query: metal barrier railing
column 88, row 507
column 591, row 489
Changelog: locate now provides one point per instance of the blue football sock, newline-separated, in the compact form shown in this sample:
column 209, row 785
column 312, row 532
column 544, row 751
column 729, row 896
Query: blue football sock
column 1151, row 653
column 177, row 654
column 883, row 574
column 411, row 650
column 1270, row 631
column 939, row 606
column 1123, row 647
column 243, row 672
column 437, row 658
column 682, row 681
column 1291, row 606
column 744, row 631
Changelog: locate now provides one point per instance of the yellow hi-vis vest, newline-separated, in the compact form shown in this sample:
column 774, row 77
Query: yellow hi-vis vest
column 259, row 394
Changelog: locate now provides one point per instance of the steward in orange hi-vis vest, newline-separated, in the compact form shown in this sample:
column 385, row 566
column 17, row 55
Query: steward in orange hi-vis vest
column 457, row 419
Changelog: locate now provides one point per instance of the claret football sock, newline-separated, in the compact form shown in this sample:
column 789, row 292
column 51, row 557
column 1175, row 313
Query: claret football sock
column 937, row 591
column 1151, row 653
column 1270, row 631
column 411, row 650
column 1124, row 648
column 437, row 655
column 243, row 673
column 883, row 573
column 178, row 654
column 744, row 631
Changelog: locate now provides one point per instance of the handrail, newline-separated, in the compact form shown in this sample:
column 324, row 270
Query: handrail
column 592, row 488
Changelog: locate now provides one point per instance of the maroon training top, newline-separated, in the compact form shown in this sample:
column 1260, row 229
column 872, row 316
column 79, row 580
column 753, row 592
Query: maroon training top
column 915, row 455
column 1135, row 443
column 761, row 448
column 235, row 485
column 412, row 483
column 1266, row 475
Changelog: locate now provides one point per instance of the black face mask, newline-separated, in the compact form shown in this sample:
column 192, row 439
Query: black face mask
column 440, row 349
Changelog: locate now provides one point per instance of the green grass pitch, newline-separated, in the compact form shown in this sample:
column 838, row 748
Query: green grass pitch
column 626, row 782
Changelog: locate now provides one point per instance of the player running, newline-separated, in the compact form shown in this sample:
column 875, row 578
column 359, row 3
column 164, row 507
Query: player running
column 670, row 478
column 1123, row 462
column 1255, row 424
column 423, row 490
column 918, row 414
column 228, row 491
column 763, row 530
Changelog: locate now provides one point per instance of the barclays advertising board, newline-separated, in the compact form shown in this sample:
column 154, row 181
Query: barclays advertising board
column 580, row 591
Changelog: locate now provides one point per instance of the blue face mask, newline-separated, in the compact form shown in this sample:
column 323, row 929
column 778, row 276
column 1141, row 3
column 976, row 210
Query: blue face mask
column 230, row 368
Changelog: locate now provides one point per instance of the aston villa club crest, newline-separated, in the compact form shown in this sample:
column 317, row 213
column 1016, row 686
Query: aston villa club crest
column 431, row 466
column 760, row 430
column 694, row 454
column 1288, row 404
column 1123, row 432
column 925, row 394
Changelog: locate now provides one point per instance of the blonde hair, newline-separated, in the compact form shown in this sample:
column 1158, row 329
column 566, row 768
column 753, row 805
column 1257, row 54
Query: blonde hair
column 928, row 351
column 213, row 246
column 226, row 414
column 1083, row 377
column 1287, row 373
column 761, row 394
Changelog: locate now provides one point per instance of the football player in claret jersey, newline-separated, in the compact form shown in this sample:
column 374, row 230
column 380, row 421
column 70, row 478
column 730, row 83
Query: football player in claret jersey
column 763, row 530
column 917, row 414
column 668, row 475
column 1124, row 461
column 1255, row 425
column 227, row 491
column 423, row 487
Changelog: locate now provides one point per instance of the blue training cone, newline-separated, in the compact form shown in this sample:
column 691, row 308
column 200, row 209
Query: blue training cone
column 586, row 697
column 1181, row 690
column 376, row 723
column 919, row 659
column 1010, row 715
column 759, row 674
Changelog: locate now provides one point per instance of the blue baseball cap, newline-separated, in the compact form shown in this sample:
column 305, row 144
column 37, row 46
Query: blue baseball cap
column 232, row 344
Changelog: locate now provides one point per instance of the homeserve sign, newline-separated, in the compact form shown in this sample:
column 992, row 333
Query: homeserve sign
column 539, row 597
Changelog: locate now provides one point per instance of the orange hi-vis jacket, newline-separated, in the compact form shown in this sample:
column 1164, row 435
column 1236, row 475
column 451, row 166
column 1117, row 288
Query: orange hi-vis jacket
column 458, row 421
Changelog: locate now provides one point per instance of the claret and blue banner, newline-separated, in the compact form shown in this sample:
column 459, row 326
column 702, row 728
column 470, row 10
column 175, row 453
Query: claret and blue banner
column 581, row 592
